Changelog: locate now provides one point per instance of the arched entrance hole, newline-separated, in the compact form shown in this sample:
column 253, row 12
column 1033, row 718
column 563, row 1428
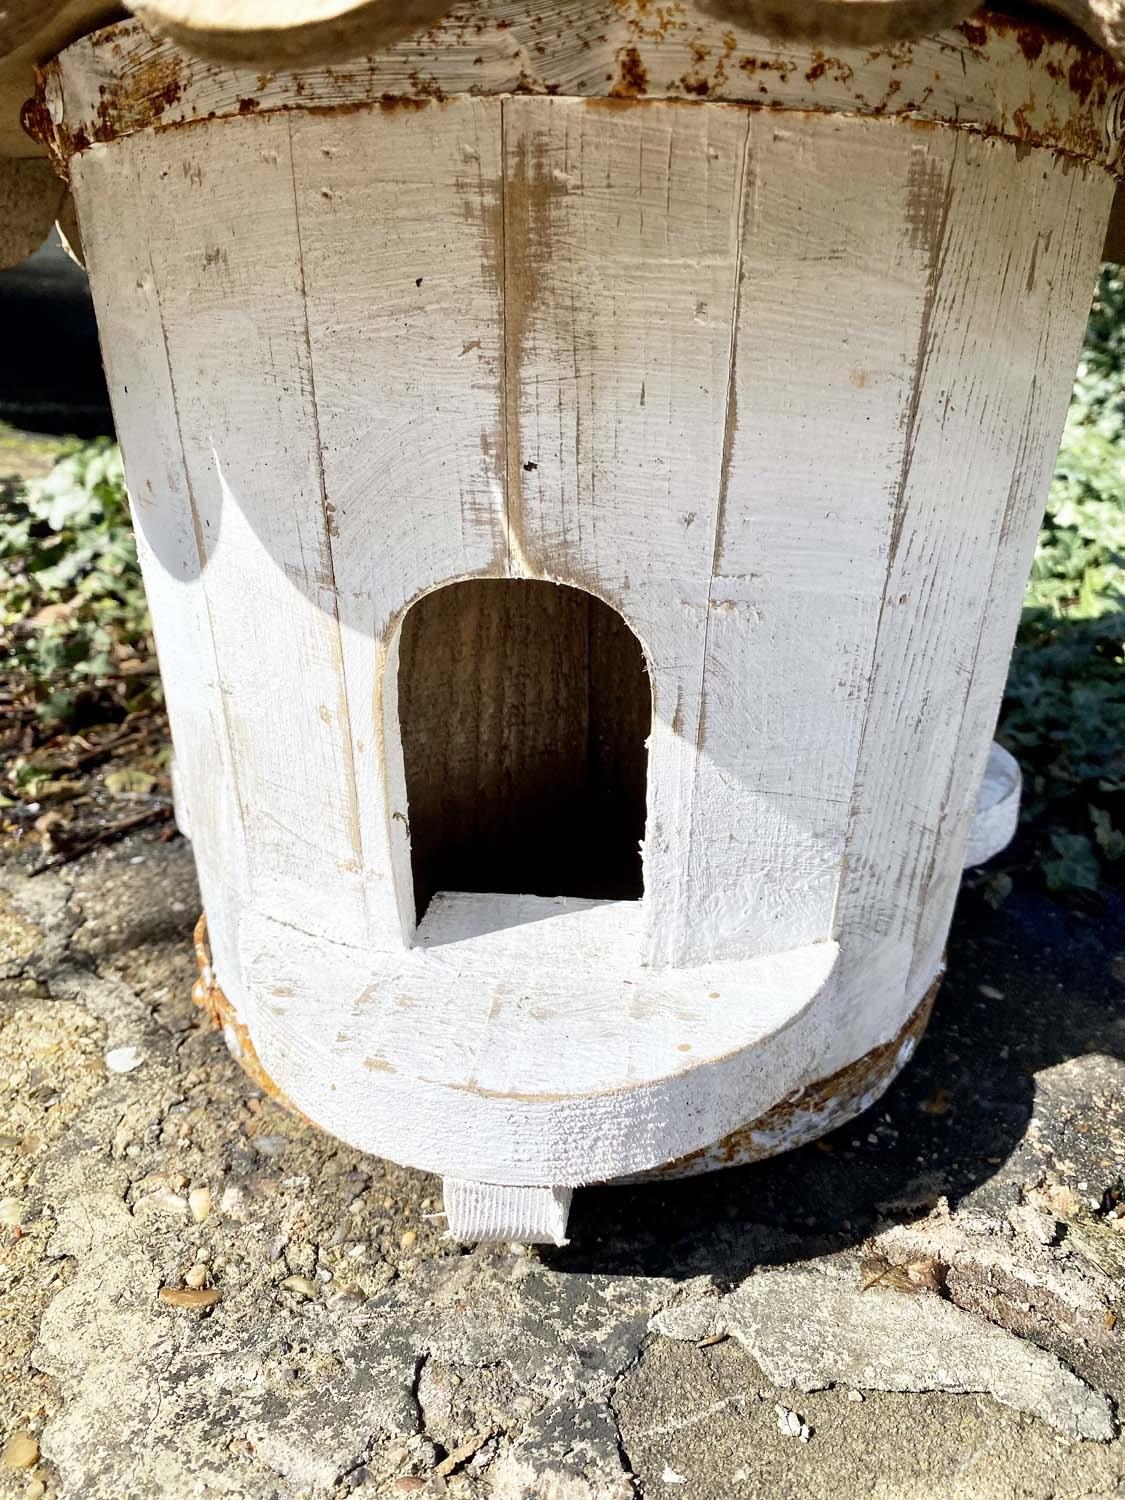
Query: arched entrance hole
column 524, row 708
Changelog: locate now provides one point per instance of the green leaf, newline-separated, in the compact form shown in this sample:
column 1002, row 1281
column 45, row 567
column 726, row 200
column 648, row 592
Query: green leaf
column 129, row 782
column 1077, row 867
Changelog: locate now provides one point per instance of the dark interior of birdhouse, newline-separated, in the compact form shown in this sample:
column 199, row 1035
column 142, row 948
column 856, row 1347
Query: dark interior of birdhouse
column 524, row 711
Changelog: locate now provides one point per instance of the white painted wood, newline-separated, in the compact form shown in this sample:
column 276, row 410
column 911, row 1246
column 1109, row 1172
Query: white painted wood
column 237, row 345
column 334, row 31
column 477, row 1211
column 997, row 810
column 980, row 77
column 168, row 531
column 1002, row 263
column 1067, row 222
column 400, row 236
column 780, row 385
column 622, row 233
column 821, row 384
column 522, row 1042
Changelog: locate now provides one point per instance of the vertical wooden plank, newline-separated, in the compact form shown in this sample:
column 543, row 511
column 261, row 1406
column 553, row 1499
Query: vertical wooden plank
column 1067, row 216
column 112, row 186
column 821, row 385
column 620, row 724
column 400, row 230
column 975, row 371
column 231, row 297
column 620, row 253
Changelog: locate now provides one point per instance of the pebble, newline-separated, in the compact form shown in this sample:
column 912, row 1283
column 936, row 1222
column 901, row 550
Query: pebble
column 233, row 1202
column 410, row 1484
column 408, row 1239
column 35, row 1490
column 304, row 1286
column 199, row 1201
column 855, row 1396
column 790, row 1424
column 196, row 1276
column 21, row 1451
column 162, row 1201
column 124, row 1059
column 11, row 1213
column 189, row 1296
column 270, row 1145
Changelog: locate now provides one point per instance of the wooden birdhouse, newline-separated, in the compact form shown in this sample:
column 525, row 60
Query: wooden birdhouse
column 585, row 470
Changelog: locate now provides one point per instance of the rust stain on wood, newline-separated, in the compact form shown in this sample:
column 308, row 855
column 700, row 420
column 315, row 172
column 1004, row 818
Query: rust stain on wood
column 206, row 993
column 530, row 187
column 818, row 1108
column 632, row 79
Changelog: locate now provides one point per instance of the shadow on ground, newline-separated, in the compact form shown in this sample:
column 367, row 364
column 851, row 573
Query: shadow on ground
column 1030, row 986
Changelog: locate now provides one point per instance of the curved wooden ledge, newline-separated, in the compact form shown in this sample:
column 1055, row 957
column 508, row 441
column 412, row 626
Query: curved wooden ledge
column 520, row 1041
column 1041, row 85
column 820, row 1106
column 674, row 1065
column 810, row 1112
column 998, row 807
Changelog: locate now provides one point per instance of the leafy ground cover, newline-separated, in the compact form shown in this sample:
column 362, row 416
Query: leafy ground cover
column 1064, row 709
column 83, row 736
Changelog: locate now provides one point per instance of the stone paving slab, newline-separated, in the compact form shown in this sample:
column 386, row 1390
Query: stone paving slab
column 202, row 1296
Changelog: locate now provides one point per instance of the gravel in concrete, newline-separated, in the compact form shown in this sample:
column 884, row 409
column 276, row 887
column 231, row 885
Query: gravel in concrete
column 200, row 1295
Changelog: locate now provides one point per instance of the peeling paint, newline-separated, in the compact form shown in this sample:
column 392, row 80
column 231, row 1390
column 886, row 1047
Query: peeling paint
column 206, row 993
column 1034, row 82
column 820, row 1107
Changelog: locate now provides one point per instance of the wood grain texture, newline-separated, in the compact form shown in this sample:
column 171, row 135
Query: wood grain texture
column 621, row 261
column 978, row 77
column 31, row 195
column 400, row 236
column 269, row 32
column 31, row 32
column 1068, row 234
column 524, row 711
column 779, row 388
column 476, row 1211
column 820, row 385
column 994, row 225
column 520, row 1042
column 167, row 526
column 234, row 328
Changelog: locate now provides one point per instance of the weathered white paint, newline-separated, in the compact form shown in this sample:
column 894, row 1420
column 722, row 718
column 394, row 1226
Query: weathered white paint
column 398, row 233
column 781, row 384
column 997, row 812
column 485, row 1211
column 977, row 76
column 522, row 1040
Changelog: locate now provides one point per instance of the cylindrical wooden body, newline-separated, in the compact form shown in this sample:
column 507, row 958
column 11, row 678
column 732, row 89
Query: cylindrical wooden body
column 769, row 352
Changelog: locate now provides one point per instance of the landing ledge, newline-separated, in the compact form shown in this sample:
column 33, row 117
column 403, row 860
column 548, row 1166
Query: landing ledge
column 521, row 1042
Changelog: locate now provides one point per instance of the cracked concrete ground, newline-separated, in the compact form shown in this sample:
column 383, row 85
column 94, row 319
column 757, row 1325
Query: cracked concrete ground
column 831, row 1322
